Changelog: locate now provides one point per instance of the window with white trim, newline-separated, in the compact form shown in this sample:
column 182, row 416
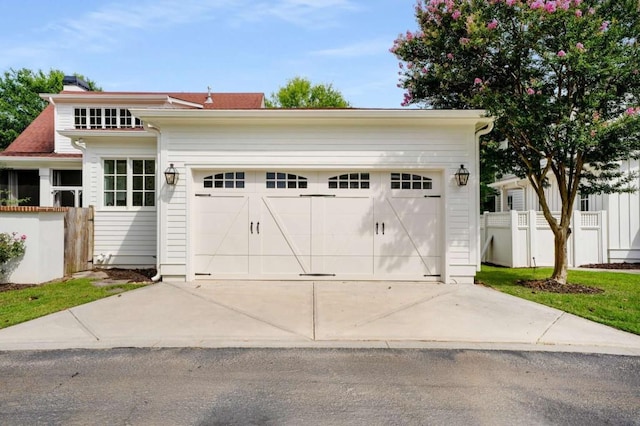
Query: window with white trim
column 410, row 181
column 350, row 181
column 226, row 180
column 285, row 180
column 105, row 118
column 129, row 182
column 584, row 203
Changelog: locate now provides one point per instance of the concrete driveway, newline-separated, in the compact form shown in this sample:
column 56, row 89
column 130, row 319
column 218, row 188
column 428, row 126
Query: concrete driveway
column 317, row 314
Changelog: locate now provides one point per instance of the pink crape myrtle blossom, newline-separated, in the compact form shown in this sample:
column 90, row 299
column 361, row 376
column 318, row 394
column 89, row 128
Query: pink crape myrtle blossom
column 530, row 91
column 477, row 81
column 604, row 26
column 561, row 54
column 456, row 14
column 580, row 47
column 493, row 24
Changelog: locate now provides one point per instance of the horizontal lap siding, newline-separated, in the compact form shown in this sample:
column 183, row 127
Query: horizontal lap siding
column 339, row 147
column 129, row 236
column 126, row 235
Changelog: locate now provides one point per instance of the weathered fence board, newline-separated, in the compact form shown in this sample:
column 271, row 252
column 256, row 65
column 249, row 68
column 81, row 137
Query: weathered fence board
column 78, row 240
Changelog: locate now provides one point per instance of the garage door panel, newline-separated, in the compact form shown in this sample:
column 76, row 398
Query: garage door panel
column 407, row 266
column 342, row 265
column 285, row 266
column 207, row 265
column 284, row 231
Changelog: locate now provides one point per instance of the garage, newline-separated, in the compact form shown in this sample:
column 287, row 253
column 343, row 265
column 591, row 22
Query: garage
column 306, row 194
column 309, row 224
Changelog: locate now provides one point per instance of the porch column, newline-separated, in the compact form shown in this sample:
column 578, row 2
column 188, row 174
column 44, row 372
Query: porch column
column 46, row 197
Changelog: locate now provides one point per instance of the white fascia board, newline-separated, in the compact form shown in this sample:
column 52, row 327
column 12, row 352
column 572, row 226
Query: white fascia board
column 83, row 97
column 514, row 181
column 37, row 162
column 172, row 100
column 112, row 133
column 290, row 114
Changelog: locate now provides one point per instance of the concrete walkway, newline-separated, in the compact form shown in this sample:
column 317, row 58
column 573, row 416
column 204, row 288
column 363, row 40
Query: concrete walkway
column 320, row 314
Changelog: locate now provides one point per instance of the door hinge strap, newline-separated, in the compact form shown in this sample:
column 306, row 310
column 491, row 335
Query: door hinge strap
column 318, row 195
column 203, row 195
column 317, row 275
column 432, row 196
column 436, row 275
column 202, row 274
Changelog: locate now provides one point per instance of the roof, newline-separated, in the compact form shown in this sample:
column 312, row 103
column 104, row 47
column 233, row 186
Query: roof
column 37, row 139
column 198, row 99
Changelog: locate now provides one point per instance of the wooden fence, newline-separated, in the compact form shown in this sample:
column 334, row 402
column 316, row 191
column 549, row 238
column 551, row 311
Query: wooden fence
column 78, row 240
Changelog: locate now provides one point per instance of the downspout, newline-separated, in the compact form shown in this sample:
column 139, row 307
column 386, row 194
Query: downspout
column 157, row 276
column 480, row 132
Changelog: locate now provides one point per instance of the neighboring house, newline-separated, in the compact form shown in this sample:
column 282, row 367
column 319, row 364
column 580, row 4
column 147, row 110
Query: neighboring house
column 622, row 211
column 334, row 194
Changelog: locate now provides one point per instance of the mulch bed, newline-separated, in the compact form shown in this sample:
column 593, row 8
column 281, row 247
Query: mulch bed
column 132, row 275
column 623, row 265
column 553, row 286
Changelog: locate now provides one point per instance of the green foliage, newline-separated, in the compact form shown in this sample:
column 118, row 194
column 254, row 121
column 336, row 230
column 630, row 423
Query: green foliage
column 6, row 200
column 11, row 246
column 20, row 102
column 561, row 77
column 17, row 306
column 618, row 306
column 300, row 93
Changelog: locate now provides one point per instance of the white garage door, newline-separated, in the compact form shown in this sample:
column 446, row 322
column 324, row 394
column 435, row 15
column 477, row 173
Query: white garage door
column 301, row 224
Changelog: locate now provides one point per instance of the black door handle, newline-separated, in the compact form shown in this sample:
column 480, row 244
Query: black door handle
column 251, row 227
column 376, row 228
column 382, row 228
column 258, row 227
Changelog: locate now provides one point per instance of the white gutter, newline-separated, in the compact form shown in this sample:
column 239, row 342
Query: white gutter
column 480, row 132
column 159, row 210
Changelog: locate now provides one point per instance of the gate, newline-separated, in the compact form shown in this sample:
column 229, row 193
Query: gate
column 78, row 240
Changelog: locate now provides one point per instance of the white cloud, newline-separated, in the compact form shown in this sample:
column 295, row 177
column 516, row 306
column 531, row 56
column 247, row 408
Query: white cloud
column 315, row 13
column 363, row 48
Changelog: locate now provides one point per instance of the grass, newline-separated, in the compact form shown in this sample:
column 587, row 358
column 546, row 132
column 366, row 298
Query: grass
column 18, row 306
column 618, row 306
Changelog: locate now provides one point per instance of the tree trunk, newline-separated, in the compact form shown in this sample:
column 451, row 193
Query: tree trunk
column 561, row 260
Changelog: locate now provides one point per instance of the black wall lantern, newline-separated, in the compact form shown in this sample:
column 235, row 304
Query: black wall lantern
column 462, row 176
column 171, row 175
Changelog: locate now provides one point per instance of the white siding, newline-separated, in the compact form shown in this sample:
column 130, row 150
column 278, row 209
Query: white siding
column 64, row 121
column 126, row 237
column 336, row 146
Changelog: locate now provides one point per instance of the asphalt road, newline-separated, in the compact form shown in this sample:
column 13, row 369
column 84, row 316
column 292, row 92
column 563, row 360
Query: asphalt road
column 324, row 387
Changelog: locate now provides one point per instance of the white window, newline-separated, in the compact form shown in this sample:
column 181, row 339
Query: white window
column 285, row 180
column 584, row 203
column 350, row 181
column 410, row 181
column 104, row 118
column 67, row 188
column 227, row 180
column 129, row 182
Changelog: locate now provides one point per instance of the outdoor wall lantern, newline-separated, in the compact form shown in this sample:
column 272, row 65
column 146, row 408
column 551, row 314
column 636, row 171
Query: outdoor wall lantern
column 462, row 176
column 171, row 175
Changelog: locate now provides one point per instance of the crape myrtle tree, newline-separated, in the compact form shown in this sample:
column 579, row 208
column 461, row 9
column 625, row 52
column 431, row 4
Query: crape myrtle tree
column 561, row 77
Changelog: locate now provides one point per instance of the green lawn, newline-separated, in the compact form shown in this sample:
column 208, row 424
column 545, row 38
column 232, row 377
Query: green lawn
column 618, row 306
column 23, row 305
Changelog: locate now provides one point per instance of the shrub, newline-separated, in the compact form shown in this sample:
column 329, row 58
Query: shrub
column 11, row 246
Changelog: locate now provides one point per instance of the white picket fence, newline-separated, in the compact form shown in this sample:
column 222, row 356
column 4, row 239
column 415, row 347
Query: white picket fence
column 524, row 239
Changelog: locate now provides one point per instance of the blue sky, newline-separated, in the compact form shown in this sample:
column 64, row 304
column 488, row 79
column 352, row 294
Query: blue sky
column 230, row 45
